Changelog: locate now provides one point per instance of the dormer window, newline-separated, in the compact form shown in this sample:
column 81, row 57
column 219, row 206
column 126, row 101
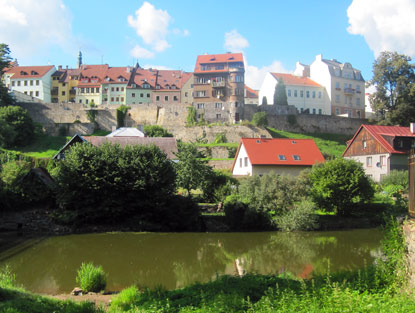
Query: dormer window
column 282, row 157
column 157, row 86
column 296, row 157
column 167, row 86
column 34, row 73
column 173, row 87
column 293, row 142
column 107, row 79
column 258, row 141
column 23, row 73
column 146, row 86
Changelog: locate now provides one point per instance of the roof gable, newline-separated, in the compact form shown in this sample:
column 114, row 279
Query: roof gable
column 29, row 71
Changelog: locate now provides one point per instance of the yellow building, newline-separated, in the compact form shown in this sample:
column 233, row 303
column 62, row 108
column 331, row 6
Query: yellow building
column 64, row 85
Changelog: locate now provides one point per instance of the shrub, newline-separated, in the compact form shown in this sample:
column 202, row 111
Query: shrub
column 300, row 217
column 191, row 116
column 16, row 127
column 338, row 185
column 231, row 152
column 125, row 300
column 221, row 138
column 121, row 114
column 156, row 131
column 260, row 119
column 397, row 178
column 91, row 278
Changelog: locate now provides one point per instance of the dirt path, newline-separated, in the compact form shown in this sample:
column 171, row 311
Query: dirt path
column 98, row 299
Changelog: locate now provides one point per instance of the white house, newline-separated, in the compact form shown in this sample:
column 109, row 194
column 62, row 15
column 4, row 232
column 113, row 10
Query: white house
column 33, row 81
column 257, row 156
column 381, row 149
column 302, row 92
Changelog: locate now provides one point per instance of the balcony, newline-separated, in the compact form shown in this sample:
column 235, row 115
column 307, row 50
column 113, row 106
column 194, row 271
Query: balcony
column 348, row 91
column 220, row 84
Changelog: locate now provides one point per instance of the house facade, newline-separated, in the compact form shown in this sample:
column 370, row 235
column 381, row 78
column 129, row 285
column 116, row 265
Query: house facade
column 250, row 96
column 34, row 81
column 344, row 85
column 302, row 92
column 218, row 87
column 64, row 85
column 381, row 149
column 258, row 156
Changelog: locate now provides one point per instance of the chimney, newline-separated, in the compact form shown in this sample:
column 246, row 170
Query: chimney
column 412, row 127
column 67, row 67
column 60, row 67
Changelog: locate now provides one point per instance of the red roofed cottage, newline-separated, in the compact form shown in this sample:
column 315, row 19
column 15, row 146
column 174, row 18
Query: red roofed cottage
column 257, row 156
column 381, row 149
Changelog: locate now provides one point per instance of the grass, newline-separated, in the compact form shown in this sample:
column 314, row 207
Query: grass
column 91, row 278
column 330, row 145
column 100, row 132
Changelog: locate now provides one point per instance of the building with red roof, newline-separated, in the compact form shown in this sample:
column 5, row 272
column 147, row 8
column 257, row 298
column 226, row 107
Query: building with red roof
column 304, row 94
column 257, row 156
column 218, row 87
column 381, row 149
column 250, row 96
column 34, row 81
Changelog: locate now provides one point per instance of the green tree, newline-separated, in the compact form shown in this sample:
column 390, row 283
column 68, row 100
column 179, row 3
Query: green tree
column 156, row 131
column 264, row 100
column 191, row 116
column 192, row 171
column 17, row 127
column 394, row 80
column 260, row 119
column 5, row 98
column 280, row 94
column 340, row 186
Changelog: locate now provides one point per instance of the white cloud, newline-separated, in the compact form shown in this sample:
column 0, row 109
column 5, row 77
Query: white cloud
column 28, row 26
column 385, row 25
column 141, row 53
column 235, row 42
column 151, row 25
column 157, row 67
column 254, row 76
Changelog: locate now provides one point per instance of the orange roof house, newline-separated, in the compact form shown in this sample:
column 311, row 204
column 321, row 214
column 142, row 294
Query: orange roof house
column 257, row 156
column 381, row 149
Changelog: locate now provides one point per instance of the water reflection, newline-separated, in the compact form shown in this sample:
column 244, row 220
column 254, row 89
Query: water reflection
column 179, row 259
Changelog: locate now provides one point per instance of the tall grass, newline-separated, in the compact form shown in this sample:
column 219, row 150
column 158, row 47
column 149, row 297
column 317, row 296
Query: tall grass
column 91, row 278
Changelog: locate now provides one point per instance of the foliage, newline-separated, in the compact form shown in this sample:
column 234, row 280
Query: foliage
column 339, row 185
column 121, row 114
column 232, row 152
column 264, row 100
column 5, row 98
column 221, row 138
column 280, row 93
column 156, row 131
column 260, row 119
column 191, row 116
column 397, row 178
column 292, row 119
column 17, row 127
column 192, row 171
column 136, row 181
column 220, row 185
column 300, row 217
column 125, row 300
column 91, row 114
column 91, row 278
column 330, row 145
column 394, row 80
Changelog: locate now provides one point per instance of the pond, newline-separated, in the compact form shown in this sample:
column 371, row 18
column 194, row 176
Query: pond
column 175, row 260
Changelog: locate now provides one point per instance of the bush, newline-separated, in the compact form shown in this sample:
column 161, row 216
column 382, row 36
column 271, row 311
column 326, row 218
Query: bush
column 91, row 278
column 156, row 131
column 13, row 191
column 339, row 185
column 300, row 217
column 260, row 119
column 397, row 178
column 16, row 127
column 221, row 138
column 125, row 300
column 121, row 114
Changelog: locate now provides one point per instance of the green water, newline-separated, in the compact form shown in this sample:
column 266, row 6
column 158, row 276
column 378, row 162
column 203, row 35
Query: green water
column 175, row 260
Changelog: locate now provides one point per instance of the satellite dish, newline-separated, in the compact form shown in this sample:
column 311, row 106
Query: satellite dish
column 378, row 164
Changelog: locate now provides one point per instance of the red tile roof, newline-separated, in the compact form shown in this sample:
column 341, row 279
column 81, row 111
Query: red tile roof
column 378, row 131
column 38, row 71
column 114, row 73
column 290, row 79
column 251, row 93
column 215, row 59
column 263, row 151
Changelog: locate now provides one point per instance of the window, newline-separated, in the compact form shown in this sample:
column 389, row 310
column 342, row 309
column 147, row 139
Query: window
column 117, row 99
column 236, row 104
column 80, row 100
column 200, row 94
column 166, row 98
column 117, row 88
column 296, row 157
column 295, row 93
column 63, row 93
column 31, row 93
column 186, row 94
column 301, row 93
column 320, row 111
column 175, row 98
column 337, row 98
column 25, row 82
column 97, row 90
column 337, row 85
column 319, row 94
column 148, row 95
column 133, row 95
column 112, row 88
column 246, row 161
column 122, row 88
column 281, row 157
column 141, row 95
column 82, row 90
column 382, row 160
column 357, row 101
column 314, row 94
column 218, row 105
column 18, row 83
column 86, row 101
column 307, row 93
column 157, row 98
column 63, row 84
column 289, row 92
column 31, row 83
column 337, row 111
column 314, row 111
column 122, row 99
column 369, row 161
column 240, row 162
column 345, row 86
column 87, row 90
column 112, row 99
column 218, row 116
column 239, row 79
column 200, row 105
column 37, row 93
column 219, row 67
column 37, row 82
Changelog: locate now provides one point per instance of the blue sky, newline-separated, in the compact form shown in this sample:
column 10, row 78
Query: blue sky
column 273, row 35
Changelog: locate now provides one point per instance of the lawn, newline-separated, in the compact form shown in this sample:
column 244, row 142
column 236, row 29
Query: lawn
column 330, row 145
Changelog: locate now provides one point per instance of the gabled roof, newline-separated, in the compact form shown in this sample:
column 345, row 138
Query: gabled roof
column 290, row 79
column 265, row 151
column 379, row 131
column 117, row 75
column 75, row 139
column 126, row 132
column 217, row 58
column 29, row 71
column 167, row 144
column 250, row 93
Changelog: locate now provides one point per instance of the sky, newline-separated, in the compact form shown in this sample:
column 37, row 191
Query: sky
column 273, row 35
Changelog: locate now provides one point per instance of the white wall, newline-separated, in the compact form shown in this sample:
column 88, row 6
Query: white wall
column 242, row 170
column 377, row 170
column 267, row 89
